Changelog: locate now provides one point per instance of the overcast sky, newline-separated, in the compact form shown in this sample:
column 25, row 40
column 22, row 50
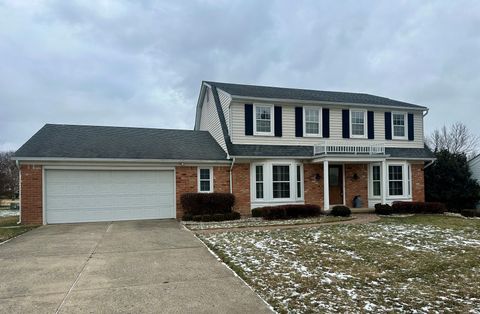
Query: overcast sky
column 140, row 63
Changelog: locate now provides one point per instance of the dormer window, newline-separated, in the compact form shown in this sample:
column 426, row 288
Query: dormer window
column 398, row 123
column 358, row 125
column 312, row 122
column 263, row 120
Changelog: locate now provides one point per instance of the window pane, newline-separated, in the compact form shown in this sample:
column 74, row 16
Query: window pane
column 259, row 190
column 204, row 185
column 358, row 129
column 312, row 128
column 299, row 181
column 395, row 173
column 281, row 190
column 396, row 187
column 263, row 126
column 376, row 188
column 358, row 117
column 376, row 172
column 399, row 131
column 398, row 119
column 204, row 174
column 311, row 115
column 281, row 173
column 259, row 173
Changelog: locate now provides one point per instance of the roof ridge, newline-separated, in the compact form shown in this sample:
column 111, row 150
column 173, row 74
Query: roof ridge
column 120, row 127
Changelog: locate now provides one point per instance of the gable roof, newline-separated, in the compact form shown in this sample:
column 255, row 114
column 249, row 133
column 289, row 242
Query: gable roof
column 85, row 141
column 268, row 92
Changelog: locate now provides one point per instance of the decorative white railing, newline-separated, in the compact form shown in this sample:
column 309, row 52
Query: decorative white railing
column 341, row 148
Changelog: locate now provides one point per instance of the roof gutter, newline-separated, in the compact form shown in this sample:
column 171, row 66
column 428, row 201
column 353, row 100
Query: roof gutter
column 339, row 104
column 19, row 192
column 231, row 179
column 65, row 159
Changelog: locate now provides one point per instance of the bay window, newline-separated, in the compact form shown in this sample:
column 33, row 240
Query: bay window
column 395, row 180
column 376, row 181
column 281, row 181
column 259, row 181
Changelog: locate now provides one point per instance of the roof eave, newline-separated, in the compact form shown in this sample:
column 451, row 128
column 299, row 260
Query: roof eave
column 299, row 101
column 132, row 160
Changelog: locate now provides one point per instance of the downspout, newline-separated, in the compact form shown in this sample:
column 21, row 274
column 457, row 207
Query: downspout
column 231, row 180
column 19, row 192
column 425, row 114
column 429, row 164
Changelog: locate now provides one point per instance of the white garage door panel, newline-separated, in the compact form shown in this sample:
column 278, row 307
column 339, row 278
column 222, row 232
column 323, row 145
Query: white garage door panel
column 105, row 195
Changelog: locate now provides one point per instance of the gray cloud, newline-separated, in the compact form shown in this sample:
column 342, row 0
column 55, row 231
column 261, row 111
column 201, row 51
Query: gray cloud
column 140, row 63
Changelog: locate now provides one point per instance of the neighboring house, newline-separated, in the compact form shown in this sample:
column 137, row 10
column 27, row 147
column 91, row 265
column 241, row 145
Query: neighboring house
column 474, row 165
column 266, row 145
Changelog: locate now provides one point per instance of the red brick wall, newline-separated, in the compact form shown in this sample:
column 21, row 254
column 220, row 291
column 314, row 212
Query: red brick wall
column 356, row 187
column 186, row 182
column 31, row 198
column 241, row 188
column 418, row 181
column 221, row 179
column 313, row 193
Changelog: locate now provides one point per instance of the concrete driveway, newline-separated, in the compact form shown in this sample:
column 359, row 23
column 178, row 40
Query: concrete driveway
column 133, row 266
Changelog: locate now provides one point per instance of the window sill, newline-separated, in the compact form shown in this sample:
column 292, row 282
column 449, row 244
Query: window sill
column 263, row 134
column 312, row 135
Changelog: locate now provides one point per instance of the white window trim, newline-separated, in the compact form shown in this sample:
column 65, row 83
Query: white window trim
column 370, row 181
column 365, row 122
column 301, row 182
column 211, row 179
column 255, row 181
column 405, row 125
column 268, row 181
column 272, row 120
column 406, row 173
column 319, row 134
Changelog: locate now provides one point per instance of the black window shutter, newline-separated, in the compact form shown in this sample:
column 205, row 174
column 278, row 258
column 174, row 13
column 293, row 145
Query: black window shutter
column 411, row 136
column 388, row 125
column 298, row 121
column 277, row 118
column 346, row 123
column 248, row 119
column 371, row 129
column 326, row 122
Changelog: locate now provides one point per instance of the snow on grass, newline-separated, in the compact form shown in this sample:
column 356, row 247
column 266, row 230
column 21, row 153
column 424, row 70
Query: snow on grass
column 259, row 222
column 407, row 264
column 8, row 213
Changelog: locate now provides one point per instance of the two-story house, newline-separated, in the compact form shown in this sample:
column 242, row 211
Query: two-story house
column 266, row 145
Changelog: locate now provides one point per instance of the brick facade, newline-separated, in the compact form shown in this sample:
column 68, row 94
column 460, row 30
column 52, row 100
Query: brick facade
column 186, row 182
column 418, row 181
column 31, row 194
column 221, row 179
column 241, row 188
column 356, row 185
column 313, row 188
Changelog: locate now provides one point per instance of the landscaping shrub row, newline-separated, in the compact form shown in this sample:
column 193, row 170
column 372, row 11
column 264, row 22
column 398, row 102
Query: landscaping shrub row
column 212, row 217
column 410, row 208
column 207, row 203
column 287, row 211
column 340, row 210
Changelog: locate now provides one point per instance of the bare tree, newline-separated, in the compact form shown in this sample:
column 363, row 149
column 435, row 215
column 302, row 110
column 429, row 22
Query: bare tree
column 8, row 175
column 456, row 139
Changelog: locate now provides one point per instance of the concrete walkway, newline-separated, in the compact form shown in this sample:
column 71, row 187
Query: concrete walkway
column 123, row 267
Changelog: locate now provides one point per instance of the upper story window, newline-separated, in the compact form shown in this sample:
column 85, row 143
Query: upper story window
column 263, row 120
column 398, row 123
column 358, row 125
column 205, row 180
column 312, row 121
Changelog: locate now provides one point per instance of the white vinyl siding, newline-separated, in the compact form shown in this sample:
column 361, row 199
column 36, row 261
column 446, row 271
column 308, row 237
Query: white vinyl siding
column 225, row 100
column 210, row 120
column 288, row 128
column 108, row 195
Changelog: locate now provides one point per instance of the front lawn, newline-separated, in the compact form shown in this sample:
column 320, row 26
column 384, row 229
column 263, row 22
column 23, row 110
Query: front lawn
column 259, row 222
column 9, row 228
column 421, row 263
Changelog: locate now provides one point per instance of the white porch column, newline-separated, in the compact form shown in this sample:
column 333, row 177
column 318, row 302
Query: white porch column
column 384, row 182
column 326, row 191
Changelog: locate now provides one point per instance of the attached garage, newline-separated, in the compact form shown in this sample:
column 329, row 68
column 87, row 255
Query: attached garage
column 108, row 195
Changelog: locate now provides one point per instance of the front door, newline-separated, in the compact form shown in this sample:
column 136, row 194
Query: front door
column 335, row 179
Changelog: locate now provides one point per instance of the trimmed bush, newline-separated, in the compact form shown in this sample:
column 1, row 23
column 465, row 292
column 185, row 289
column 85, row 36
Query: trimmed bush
column 469, row 213
column 213, row 217
column 207, row 203
column 340, row 210
column 418, row 208
column 287, row 211
column 383, row 209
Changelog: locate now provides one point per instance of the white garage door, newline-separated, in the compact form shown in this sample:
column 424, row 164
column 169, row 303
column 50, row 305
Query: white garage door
column 108, row 195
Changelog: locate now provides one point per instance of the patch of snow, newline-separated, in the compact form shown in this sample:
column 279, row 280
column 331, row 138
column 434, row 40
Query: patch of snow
column 9, row 213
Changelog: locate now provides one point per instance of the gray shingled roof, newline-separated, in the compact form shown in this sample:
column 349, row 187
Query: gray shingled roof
column 82, row 141
column 309, row 95
column 239, row 150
